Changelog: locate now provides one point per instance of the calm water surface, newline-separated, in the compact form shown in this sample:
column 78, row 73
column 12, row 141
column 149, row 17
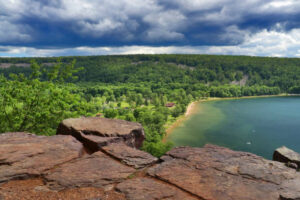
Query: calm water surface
column 258, row 125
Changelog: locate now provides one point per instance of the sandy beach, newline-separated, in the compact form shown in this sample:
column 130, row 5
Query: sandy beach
column 191, row 109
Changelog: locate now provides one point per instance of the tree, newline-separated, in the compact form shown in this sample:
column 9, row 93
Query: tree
column 28, row 104
column 110, row 113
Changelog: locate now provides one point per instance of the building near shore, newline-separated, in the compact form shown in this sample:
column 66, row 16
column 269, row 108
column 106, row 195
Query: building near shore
column 170, row 105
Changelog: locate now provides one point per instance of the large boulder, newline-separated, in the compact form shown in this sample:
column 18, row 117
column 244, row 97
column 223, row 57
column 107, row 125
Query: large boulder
column 26, row 155
column 287, row 156
column 216, row 173
column 95, row 132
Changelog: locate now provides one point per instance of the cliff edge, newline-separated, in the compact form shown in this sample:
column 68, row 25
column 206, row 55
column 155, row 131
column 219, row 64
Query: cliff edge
column 97, row 158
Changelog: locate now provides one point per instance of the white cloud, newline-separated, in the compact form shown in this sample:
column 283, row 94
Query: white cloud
column 264, row 43
column 93, row 18
column 102, row 17
column 13, row 33
column 165, row 26
column 152, row 22
column 280, row 6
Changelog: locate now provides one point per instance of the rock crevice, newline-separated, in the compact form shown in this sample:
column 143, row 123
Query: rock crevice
column 56, row 168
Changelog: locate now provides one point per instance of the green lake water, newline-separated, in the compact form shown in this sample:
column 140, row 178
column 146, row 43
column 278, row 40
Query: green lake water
column 257, row 125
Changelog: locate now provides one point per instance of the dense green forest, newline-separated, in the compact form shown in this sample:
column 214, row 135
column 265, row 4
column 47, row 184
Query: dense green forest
column 132, row 87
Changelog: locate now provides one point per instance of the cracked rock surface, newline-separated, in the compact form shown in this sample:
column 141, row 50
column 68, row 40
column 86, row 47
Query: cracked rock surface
column 25, row 155
column 41, row 167
column 214, row 172
column 149, row 189
column 132, row 157
column 96, row 170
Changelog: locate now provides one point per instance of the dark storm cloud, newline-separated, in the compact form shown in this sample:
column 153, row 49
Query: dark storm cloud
column 73, row 23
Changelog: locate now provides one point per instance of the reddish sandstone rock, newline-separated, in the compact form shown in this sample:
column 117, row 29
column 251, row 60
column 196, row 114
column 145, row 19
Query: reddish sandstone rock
column 96, row 170
column 86, row 128
column 25, row 155
column 288, row 156
column 54, row 168
column 129, row 156
column 34, row 189
column 149, row 189
column 219, row 173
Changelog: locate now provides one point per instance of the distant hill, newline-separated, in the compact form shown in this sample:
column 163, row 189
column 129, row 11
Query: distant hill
column 184, row 69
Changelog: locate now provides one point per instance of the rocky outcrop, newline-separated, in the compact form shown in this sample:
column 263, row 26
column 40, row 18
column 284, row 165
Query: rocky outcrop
column 95, row 132
column 215, row 172
column 56, row 167
column 287, row 156
column 25, row 155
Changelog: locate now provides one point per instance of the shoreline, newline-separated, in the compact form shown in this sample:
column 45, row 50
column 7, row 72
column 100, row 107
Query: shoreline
column 192, row 108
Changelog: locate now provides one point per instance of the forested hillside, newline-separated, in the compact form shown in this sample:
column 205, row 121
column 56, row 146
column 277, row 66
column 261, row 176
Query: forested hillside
column 216, row 70
column 135, row 88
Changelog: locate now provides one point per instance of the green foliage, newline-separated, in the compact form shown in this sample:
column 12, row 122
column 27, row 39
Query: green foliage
column 169, row 69
column 294, row 90
column 62, row 72
column 28, row 104
column 110, row 113
column 157, row 148
column 133, row 87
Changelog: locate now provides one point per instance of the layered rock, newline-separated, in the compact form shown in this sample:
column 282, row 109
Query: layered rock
column 129, row 156
column 219, row 173
column 25, row 155
column 97, row 170
column 95, row 132
column 56, row 168
column 287, row 156
column 149, row 189
column 35, row 189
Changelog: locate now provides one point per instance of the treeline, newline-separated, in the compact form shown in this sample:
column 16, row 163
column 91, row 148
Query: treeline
column 215, row 70
column 134, row 88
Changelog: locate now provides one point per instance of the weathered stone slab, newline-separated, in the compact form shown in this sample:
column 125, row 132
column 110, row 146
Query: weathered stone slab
column 149, row 189
column 26, row 155
column 97, row 170
column 54, row 167
column 94, row 143
column 83, row 128
column 219, row 173
column 288, row 156
column 34, row 189
column 130, row 156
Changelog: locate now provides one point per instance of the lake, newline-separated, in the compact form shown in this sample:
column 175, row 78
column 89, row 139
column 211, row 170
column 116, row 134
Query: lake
column 256, row 125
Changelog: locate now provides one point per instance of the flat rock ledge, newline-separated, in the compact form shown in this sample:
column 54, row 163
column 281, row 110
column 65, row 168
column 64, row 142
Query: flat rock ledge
column 26, row 155
column 56, row 167
column 214, row 172
column 96, row 132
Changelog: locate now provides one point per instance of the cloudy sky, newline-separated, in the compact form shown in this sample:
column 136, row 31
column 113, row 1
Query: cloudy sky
column 96, row 27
